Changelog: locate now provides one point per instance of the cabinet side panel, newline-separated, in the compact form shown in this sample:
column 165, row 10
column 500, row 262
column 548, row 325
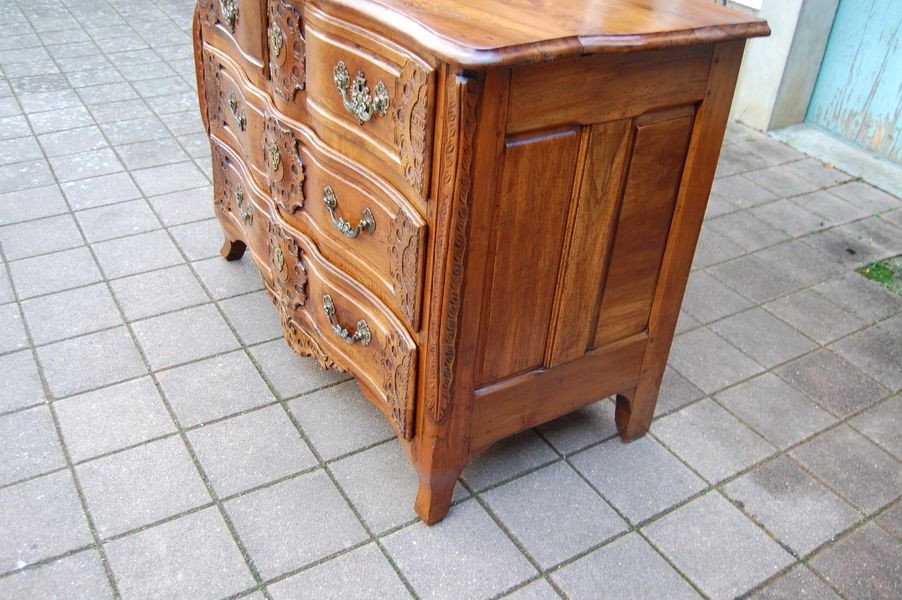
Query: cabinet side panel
column 659, row 152
column 534, row 201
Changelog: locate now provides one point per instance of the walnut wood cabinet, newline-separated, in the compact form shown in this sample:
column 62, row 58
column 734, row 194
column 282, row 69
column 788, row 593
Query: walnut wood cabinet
column 485, row 210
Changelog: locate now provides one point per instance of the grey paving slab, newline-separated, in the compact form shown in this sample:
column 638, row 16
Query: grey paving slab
column 39, row 519
column 799, row 584
column 792, row 505
column 858, row 469
column 111, row 418
column 717, row 547
column 775, row 410
column 117, row 220
column 151, row 153
column 832, row 382
column 783, row 181
column 575, row 431
column 225, row 278
column 72, row 141
column 31, row 238
column 34, row 203
column 790, row 217
column 19, row 150
column 640, row 479
column 114, row 111
column 289, row 373
column 134, row 130
column 877, row 351
column 156, row 292
column 709, row 362
column 626, row 569
column 137, row 254
column 815, row 316
column 90, row 361
column 891, row 520
column 250, row 450
column 879, row 234
column 755, row 279
column 830, row 208
column 817, row 172
column 272, row 520
column 741, row 191
column 845, row 247
column 12, row 329
column 184, row 206
column 85, row 164
column 169, row 178
column 478, row 560
column 77, row 576
column 554, row 514
column 508, row 458
column 193, row 557
column 100, row 191
column 865, row 564
column 145, row 484
column 867, row 197
column 745, row 230
column 22, row 383
column 253, row 316
column 539, row 589
column 881, row 424
column 800, row 261
column 863, row 297
column 54, row 272
column 676, row 391
column 183, row 336
column 760, row 335
column 201, row 239
column 711, row 441
column 6, row 288
column 707, row 299
column 30, row 445
column 71, row 313
column 362, row 574
column 339, row 419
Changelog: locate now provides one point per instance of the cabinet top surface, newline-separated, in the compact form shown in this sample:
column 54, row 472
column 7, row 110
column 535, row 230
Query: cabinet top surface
column 476, row 33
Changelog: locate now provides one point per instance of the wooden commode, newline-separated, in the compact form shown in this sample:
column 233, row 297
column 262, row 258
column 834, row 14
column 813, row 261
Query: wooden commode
column 484, row 210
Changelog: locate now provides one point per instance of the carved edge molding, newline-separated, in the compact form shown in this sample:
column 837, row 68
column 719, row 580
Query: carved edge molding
column 409, row 120
column 404, row 261
column 212, row 89
column 454, row 202
column 397, row 361
column 209, row 13
column 287, row 190
column 288, row 73
column 221, row 183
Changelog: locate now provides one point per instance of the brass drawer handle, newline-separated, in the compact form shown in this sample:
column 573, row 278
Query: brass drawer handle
column 229, row 10
column 276, row 39
column 362, row 335
column 367, row 220
column 246, row 213
column 360, row 103
column 240, row 116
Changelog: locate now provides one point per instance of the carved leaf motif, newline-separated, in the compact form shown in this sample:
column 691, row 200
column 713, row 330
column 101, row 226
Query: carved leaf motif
column 396, row 364
column 288, row 65
column 222, row 185
column 213, row 89
column 409, row 119
column 288, row 270
column 286, row 184
column 404, row 250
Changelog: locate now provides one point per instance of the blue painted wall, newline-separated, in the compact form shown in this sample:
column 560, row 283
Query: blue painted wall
column 858, row 94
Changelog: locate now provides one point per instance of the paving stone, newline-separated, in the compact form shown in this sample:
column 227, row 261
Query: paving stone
column 718, row 205
column 230, row 278
column 640, row 479
column 30, row 445
column 775, row 410
column 880, row 235
column 72, row 141
column 290, row 373
column 763, row 337
column 54, row 100
column 40, row 237
column 783, row 181
column 800, row 261
column 140, row 486
column 707, row 299
column 151, row 153
column 868, row 299
column 135, row 130
column 21, row 382
column 100, row 191
column 34, row 203
column 78, row 576
column 112, row 418
column 270, row 522
column 817, row 172
column 184, row 206
column 191, row 557
column 202, row 239
column 253, row 317
column 339, row 419
column 676, row 391
column 249, row 450
column 14, row 126
column 815, row 316
column 90, row 361
column 85, row 164
column 791, row 504
column 12, row 329
column 576, row 430
column 717, row 547
column 6, row 288
column 865, row 564
column 485, row 562
column 341, row 579
column 709, row 362
column 741, row 191
column 789, row 217
column 745, row 230
column 854, row 466
column 755, row 279
column 539, row 589
column 891, row 520
column 18, row 150
column 169, row 178
column 799, row 584
column 710, row 440
column 625, row 568
column 137, row 254
column 844, row 247
column 867, row 197
column 554, row 514
column 881, row 424
column 39, row 519
column 156, row 292
column 71, row 313
column 183, row 336
column 877, row 351
column 507, row 459
column 829, row 208
column 117, row 220
column 714, row 248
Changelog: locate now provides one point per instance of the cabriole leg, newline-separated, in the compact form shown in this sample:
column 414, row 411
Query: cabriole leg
column 232, row 249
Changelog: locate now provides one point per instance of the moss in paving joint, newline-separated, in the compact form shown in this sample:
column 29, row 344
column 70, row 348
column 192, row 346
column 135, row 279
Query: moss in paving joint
column 887, row 273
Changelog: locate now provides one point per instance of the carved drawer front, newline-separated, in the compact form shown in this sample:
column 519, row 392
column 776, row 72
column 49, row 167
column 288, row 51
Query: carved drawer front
column 235, row 197
column 235, row 113
column 236, row 27
column 336, row 320
column 372, row 91
column 285, row 37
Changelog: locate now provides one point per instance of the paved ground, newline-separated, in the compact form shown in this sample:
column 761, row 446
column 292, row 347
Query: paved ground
column 159, row 439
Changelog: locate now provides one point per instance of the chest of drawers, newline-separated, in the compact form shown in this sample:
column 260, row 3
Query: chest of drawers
column 486, row 211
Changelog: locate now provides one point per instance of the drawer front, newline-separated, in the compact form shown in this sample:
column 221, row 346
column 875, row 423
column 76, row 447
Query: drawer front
column 359, row 221
column 234, row 113
column 287, row 55
column 373, row 91
column 236, row 27
column 330, row 316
